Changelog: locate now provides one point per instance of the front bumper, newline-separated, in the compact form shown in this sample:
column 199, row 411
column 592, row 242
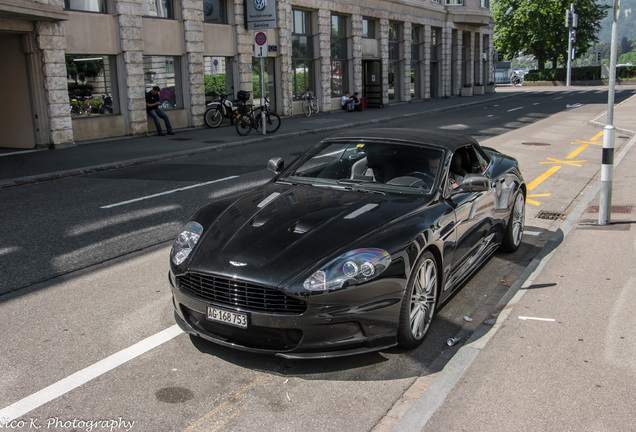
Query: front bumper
column 326, row 329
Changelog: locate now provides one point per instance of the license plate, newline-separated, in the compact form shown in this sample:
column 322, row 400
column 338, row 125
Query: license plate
column 227, row 317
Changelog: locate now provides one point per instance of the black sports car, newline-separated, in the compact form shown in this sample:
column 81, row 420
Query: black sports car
column 349, row 249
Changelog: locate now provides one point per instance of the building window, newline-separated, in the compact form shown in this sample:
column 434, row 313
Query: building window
column 302, row 53
column 85, row 5
column 92, row 85
column 164, row 72
column 214, row 11
column 454, row 2
column 485, row 3
column 368, row 28
column 338, row 55
column 158, row 8
column 217, row 77
column 416, row 68
column 394, row 58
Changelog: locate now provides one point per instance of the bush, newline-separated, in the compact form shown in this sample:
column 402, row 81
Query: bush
column 587, row 73
column 215, row 85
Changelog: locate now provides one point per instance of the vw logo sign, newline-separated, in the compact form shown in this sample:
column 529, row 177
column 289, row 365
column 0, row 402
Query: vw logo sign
column 260, row 4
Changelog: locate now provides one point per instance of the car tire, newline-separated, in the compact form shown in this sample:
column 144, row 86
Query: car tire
column 514, row 228
column 420, row 300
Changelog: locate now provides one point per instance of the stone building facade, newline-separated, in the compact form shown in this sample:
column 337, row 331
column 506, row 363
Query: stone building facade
column 79, row 69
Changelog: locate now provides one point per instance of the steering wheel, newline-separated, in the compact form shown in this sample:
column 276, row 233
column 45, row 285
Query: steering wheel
column 429, row 178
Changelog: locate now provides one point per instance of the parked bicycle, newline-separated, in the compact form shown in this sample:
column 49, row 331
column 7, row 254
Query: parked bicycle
column 220, row 109
column 249, row 118
column 272, row 120
column 310, row 104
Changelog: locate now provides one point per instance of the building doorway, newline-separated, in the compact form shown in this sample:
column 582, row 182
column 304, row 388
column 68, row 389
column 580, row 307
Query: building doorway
column 372, row 83
column 16, row 114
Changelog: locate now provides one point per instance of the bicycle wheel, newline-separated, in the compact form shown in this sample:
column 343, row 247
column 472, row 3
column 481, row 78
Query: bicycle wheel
column 213, row 117
column 272, row 121
column 315, row 106
column 306, row 108
column 244, row 124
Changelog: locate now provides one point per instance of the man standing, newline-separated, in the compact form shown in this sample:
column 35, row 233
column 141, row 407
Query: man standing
column 152, row 107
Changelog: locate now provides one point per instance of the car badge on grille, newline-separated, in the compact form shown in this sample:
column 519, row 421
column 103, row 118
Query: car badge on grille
column 238, row 264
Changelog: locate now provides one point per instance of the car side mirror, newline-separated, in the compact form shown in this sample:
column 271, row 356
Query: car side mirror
column 276, row 165
column 475, row 183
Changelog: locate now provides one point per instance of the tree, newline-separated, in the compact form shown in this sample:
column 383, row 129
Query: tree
column 537, row 27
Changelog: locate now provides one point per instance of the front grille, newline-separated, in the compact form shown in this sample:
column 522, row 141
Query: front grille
column 240, row 295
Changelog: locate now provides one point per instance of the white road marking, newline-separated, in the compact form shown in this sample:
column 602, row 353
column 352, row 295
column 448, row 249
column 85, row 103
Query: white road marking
column 87, row 374
column 532, row 233
column 536, row 319
column 556, row 98
column 167, row 192
column 536, row 103
column 515, row 109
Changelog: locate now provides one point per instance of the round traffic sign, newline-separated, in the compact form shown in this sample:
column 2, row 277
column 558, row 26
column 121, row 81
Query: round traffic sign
column 260, row 38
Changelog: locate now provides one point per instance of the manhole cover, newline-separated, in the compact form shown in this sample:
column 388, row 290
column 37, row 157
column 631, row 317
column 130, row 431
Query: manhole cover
column 539, row 144
column 614, row 209
column 551, row 215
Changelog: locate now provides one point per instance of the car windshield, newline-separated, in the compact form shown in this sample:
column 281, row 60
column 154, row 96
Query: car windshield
column 368, row 165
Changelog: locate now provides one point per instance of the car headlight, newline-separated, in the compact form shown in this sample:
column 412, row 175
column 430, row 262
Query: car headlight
column 183, row 245
column 357, row 266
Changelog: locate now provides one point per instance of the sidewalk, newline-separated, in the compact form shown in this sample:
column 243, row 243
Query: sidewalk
column 18, row 168
column 559, row 352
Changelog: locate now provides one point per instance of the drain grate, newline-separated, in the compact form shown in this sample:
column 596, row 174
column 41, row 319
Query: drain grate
column 614, row 209
column 540, row 144
column 551, row 215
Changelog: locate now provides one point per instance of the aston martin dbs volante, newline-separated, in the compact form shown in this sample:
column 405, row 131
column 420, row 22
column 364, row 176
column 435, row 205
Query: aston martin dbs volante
column 349, row 249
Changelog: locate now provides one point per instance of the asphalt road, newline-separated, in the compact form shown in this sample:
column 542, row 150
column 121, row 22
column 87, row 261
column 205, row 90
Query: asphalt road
column 85, row 266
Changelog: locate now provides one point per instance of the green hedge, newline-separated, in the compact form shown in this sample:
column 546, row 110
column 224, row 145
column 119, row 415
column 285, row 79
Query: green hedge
column 587, row 73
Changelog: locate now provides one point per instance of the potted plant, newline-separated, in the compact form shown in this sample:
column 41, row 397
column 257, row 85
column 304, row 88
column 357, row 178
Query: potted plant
column 479, row 89
column 467, row 90
column 490, row 87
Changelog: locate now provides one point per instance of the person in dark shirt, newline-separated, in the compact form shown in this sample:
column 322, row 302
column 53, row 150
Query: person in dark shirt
column 152, row 107
column 356, row 102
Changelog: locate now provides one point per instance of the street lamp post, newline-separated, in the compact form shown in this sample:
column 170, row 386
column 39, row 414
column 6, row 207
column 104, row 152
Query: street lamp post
column 607, row 167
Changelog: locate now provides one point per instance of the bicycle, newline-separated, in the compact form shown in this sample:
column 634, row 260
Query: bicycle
column 272, row 120
column 245, row 120
column 217, row 110
column 310, row 104
column 249, row 118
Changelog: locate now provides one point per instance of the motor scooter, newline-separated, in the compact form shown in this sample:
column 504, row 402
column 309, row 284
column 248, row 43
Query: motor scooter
column 217, row 110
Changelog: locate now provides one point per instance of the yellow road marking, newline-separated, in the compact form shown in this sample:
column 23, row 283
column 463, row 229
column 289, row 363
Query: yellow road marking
column 573, row 163
column 205, row 422
column 531, row 201
column 597, row 136
column 536, row 182
column 586, row 142
column 577, row 151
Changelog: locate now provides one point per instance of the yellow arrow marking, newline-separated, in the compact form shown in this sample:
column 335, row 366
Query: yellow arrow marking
column 538, row 195
column 536, row 182
column 573, row 163
column 586, row 142
column 533, row 202
column 577, row 151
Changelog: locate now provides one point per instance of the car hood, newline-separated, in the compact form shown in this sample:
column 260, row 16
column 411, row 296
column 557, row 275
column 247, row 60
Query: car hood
column 279, row 231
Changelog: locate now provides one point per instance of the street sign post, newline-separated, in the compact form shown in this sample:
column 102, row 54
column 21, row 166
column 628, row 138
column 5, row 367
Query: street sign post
column 260, row 44
column 261, row 50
